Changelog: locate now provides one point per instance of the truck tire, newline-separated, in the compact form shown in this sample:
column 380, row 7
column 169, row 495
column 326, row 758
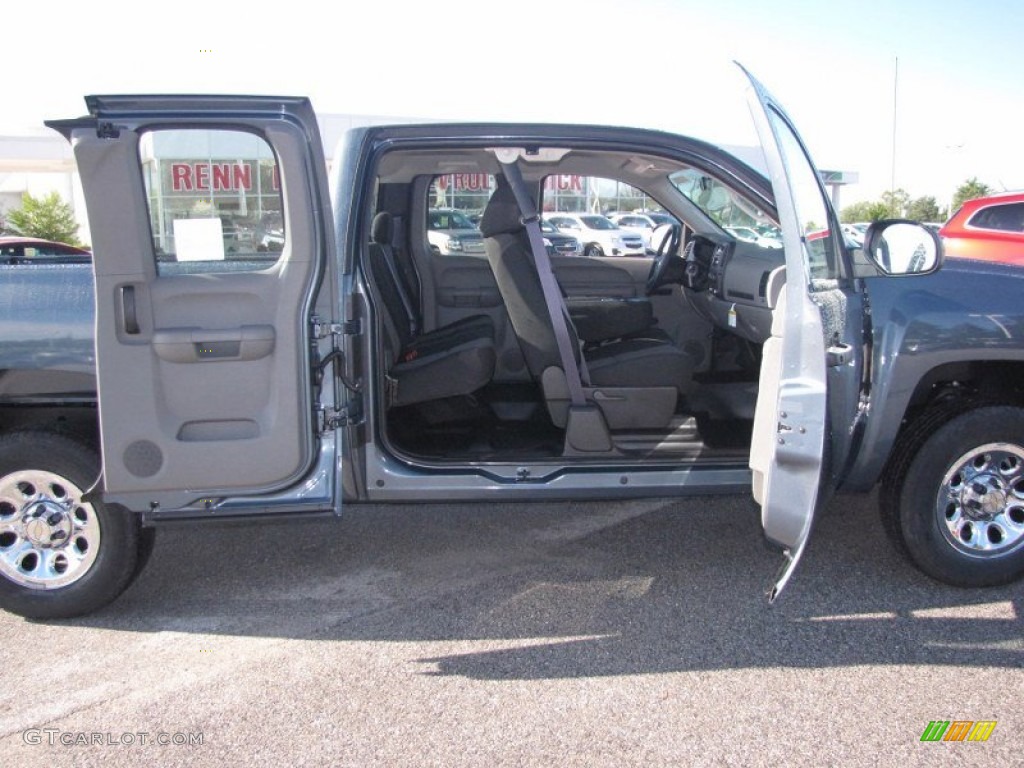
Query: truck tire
column 957, row 504
column 59, row 556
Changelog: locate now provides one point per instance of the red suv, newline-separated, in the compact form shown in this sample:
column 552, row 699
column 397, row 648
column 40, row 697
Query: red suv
column 987, row 229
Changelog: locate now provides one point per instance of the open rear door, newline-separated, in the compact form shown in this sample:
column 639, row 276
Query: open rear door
column 211, row 229
column 808, row 354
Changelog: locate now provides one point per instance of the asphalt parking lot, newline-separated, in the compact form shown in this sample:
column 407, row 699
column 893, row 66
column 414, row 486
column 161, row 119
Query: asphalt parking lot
column 628, row 633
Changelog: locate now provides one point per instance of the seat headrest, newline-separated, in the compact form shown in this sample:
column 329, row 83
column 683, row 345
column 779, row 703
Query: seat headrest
column 502, row 214
column 381, row 229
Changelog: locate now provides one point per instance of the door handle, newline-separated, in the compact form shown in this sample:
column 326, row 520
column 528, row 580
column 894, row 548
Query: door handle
column 129, row 314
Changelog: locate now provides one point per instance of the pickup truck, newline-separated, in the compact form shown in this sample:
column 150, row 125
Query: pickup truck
column 188, row 373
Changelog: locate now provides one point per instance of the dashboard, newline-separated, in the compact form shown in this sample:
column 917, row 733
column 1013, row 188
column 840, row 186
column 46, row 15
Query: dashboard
column 734, row 284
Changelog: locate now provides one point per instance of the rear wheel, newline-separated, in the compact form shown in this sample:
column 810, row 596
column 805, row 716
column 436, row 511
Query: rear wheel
column 958, row 509
column 60, row 556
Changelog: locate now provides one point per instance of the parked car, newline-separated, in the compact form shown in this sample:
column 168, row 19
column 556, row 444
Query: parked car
column 639, row 223
column 750, row 235
column 19, row 250
column 557, row 241
column 450, row 232
column 361, row 366
column 854, row 232
column 598, row 234
column 987, row 229
column 652, row 226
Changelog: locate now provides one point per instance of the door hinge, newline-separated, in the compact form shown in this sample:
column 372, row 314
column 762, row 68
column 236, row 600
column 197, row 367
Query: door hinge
column 348, row 328
column 350, row 414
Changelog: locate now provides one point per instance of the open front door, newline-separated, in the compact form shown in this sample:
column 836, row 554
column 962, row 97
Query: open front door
column 210, row 225
column 810, row 373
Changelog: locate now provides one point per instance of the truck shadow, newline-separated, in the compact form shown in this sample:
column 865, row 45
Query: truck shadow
column 571, row 590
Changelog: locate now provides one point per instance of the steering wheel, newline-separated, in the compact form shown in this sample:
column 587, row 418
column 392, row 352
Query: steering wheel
column 665, row 258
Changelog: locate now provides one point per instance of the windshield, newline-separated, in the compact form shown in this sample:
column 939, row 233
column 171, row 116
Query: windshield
column 597, row 222
column 548, row 227
column 721, row 204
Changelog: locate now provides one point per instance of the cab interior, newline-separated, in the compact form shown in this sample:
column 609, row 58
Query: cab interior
column 461, row 350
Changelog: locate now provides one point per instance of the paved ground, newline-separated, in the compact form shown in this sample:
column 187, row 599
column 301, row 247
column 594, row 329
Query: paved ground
column 592, row 634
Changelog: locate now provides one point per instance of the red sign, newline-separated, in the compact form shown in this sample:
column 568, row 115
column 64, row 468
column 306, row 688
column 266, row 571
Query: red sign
column 482, row 182
column 211, row 177
column 465, row 182
column 564, row 182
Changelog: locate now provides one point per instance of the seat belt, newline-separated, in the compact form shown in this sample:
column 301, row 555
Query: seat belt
column 574, row 372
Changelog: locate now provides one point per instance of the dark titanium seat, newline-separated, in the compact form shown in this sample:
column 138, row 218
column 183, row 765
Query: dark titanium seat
column 456, row 359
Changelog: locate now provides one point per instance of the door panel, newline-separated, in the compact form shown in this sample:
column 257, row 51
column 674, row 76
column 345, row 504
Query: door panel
column 791, row 421
column 203, row 363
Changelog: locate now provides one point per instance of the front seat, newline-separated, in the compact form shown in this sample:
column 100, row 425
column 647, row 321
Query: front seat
column 634, row 381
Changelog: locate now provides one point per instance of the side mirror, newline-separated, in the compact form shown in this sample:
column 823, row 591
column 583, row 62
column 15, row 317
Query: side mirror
column 902, row 247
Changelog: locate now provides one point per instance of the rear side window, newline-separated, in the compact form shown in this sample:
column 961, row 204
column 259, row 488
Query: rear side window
column 214, row 200
column 1005, row 218
column 456, row 202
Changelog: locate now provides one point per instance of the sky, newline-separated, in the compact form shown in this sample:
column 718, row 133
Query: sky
column 939, row 82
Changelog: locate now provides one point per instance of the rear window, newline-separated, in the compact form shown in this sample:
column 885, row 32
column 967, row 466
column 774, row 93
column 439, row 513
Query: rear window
column 597, row 222
column 1005, row 218
column 450, row 220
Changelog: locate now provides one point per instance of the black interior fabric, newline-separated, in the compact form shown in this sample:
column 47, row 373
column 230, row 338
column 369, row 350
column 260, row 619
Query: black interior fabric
column 502, row 214
column 395, row 303
column 394, row 199
column 381, row 229
column 456, row 359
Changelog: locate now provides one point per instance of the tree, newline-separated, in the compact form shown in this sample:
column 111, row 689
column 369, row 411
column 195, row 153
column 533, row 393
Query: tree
column 896, row 201
column 49, row 218
column 924, row 209
column 969, row 190
column 865, row 210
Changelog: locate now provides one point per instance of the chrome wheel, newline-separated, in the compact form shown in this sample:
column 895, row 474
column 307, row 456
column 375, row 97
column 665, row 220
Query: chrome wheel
column 980, row 504
column 49, row 537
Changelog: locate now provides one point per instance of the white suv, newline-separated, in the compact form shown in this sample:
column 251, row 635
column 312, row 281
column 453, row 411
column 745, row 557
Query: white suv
column 598, row 234
column 451, row 233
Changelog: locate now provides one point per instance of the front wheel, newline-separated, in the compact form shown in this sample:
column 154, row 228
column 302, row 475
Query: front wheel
column 959, row 506
column 60, row 556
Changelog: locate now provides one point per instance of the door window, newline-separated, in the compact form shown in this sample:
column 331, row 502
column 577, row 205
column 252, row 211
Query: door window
column 818, row 236
column 214, row 200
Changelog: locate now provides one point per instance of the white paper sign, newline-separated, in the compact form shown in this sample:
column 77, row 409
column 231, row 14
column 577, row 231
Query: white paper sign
column 199, row 239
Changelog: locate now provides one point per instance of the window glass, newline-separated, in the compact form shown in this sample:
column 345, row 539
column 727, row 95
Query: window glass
column 456, row 201
column 720, row 203
column 569, row 193
column 214, row 200
column 821, row 251
column 41, row 252
column 1006, row 218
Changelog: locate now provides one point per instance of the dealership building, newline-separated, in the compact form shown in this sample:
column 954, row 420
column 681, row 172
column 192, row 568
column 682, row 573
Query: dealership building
column 43, row 162
column 241, row 181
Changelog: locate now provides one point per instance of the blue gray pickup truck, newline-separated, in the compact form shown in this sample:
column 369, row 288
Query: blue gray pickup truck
column 253, row 340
